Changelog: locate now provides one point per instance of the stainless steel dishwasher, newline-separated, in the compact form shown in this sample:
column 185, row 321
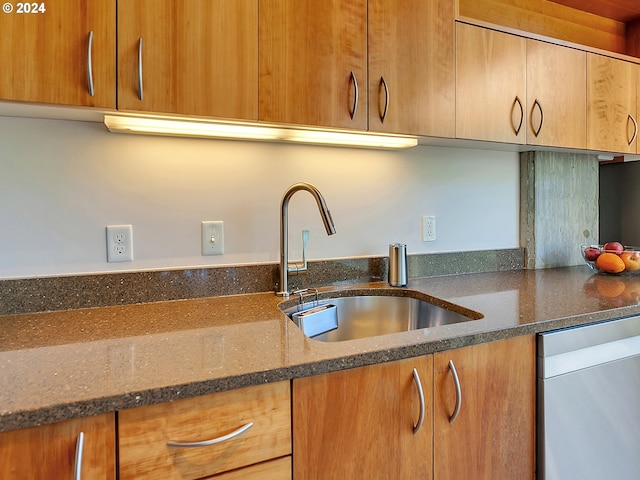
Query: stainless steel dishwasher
column 589, row 402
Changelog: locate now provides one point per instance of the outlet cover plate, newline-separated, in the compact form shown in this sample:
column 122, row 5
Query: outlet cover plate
column 428, row 228
column 119, row 243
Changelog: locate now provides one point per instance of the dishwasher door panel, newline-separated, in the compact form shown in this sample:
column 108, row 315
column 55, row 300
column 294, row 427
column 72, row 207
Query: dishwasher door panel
column 589, row 423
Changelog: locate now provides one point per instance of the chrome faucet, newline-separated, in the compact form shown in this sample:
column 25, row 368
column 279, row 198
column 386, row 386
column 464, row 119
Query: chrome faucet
column 285, row 268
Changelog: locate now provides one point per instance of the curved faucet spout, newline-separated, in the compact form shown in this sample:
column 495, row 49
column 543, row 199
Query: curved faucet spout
column 284, row 226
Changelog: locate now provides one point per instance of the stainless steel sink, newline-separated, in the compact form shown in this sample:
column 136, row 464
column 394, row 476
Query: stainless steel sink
column 351, row 317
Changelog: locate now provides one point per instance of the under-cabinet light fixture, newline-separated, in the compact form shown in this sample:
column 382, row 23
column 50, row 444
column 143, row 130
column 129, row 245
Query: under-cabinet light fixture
column 175, row 126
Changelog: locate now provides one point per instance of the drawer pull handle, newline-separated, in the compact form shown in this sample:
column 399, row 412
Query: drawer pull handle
column 416, row 379
column 213, row 441
column 354, row 81
column 77, row 471
column 456, row 381
column 536, row 103
column 635, row 129
column 517, row 102
column 90, row 65
column 140, row 85
column 383, row 82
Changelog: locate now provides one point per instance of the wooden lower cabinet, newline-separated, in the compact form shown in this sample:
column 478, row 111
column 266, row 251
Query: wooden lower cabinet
column 493, row 436
column 359, row 423
column 49, row 451
column 144, row 435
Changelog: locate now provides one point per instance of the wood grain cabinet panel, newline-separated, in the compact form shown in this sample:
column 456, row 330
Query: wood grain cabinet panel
column 45, row 53
column 516, row 90
column 313, row 62
column 197, row 57
column 491, row 88
column 493, row 435
column 612, row 113
column 411, row 67
column 49, row 451
column 358, row 424
column 144, row 433
column 556, row 95
column 279, row 469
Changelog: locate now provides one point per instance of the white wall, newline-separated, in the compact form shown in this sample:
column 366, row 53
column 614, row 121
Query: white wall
column 62, row 182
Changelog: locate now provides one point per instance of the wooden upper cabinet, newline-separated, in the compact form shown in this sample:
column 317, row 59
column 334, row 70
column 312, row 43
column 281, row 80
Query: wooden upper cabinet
column 313, row 62
column 359, row 424
column 52, row 50
column 49, row 451
column 196, row 57
column 556, row 95
column 490, row 85
column 611, row 104
column 493, row 435
column 411, row 67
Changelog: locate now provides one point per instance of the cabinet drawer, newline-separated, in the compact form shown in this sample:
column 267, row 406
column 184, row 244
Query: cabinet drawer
column 144, row 433
column 279, row 469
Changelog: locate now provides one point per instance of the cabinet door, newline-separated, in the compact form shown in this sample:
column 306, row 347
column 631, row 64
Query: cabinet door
column 411, row 67
column 493, row 435
column 313, row 62
column 490, row 85
column 611, row 104
column 49, row 49
column 49, row 451
column 196, row 57
column 556, row 95
column 358, row 424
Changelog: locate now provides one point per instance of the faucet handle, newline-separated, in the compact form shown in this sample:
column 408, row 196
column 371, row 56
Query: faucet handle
column 305, row 239
column 295, row 267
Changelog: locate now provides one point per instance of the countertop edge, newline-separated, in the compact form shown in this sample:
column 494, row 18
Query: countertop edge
column 27, row 418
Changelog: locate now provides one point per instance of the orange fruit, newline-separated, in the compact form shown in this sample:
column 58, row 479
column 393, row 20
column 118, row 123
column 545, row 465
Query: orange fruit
column 610, row 263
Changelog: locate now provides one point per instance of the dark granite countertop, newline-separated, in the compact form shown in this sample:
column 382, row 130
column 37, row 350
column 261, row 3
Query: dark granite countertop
column 72, row 363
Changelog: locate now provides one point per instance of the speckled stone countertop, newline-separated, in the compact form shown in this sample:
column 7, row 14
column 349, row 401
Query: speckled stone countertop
column 72, row 363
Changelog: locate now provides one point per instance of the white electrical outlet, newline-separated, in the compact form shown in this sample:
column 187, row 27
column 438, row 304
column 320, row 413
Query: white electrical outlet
column 213, row 238
column 428, row 228
column 119, row 243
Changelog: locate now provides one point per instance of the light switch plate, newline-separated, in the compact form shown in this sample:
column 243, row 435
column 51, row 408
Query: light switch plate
column 213, row 238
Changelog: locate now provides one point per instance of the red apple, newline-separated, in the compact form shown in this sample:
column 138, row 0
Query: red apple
column 613, row 247
column 631, row 260
column 591, row 253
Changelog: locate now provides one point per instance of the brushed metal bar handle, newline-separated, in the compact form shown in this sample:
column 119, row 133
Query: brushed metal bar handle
column 140, row 85
column 77, row 471
column 635, row 129
column 536, row 132
column 416, row 379
column 386, row 99
column 90, row 64
column 456, row 381
column 519, row 103
column 213, row 441
column 354, row 80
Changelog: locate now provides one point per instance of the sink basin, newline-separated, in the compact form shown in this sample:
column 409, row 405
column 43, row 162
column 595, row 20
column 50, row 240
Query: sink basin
column 351, row 317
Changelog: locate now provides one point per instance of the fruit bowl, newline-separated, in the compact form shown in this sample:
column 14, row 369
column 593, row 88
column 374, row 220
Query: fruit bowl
column 612, row 258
